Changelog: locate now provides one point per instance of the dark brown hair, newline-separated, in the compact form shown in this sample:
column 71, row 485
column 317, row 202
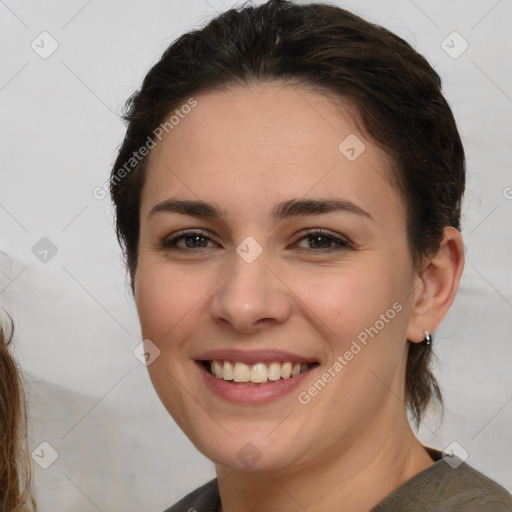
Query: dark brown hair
column 15, row 495
column 396, row 92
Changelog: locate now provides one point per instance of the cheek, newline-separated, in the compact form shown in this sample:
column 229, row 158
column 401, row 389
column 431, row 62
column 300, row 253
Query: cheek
column 340, row 301
column 348, row 301
column 362, row 316
column 172, row 303
column 163, row 298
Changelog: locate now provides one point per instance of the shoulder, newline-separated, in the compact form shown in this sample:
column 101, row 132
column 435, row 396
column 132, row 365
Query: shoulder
column 466, row 489
column 444, row 487
column 203, row 499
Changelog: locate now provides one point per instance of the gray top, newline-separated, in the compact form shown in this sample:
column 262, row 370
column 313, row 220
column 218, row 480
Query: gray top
column 442, row 487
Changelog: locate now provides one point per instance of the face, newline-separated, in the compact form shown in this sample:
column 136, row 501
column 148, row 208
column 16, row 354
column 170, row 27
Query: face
column 271, row 234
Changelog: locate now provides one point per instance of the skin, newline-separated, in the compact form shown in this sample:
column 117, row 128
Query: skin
column 247, row 149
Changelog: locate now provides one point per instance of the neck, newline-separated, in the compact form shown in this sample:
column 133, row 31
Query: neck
column 352, row 480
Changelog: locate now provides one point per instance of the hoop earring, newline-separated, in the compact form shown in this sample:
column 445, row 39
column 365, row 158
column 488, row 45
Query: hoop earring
column 428, row 338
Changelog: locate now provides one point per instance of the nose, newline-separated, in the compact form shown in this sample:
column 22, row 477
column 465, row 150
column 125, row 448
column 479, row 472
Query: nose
column 251, row 296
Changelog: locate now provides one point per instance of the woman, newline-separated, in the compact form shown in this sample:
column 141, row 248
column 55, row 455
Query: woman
column 14, row 465
column 288, row 197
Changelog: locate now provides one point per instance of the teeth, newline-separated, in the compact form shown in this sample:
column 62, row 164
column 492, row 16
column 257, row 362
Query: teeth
column 227, row 371
column 241, row 373
column 216, row 369
column 257, row 373
column 286, row 370
column 274, row 371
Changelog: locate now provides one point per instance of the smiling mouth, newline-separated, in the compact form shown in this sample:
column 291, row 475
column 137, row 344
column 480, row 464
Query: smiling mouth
column 259, row 373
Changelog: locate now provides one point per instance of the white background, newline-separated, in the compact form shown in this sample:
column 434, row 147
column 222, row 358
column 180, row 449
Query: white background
column 76, row 326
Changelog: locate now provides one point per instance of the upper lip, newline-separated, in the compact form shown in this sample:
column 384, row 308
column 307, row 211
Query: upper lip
column 253, row 356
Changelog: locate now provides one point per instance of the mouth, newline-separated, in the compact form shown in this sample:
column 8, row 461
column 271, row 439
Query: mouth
column 260, row 373
column 255, row 377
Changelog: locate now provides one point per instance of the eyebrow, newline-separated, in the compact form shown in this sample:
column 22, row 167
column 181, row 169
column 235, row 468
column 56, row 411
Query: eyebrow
column 286, row 209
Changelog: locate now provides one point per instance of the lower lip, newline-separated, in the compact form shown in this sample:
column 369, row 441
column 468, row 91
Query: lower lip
column 249, row 393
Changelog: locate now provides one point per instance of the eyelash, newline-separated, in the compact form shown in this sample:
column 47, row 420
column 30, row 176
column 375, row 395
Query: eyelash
column 171, row 243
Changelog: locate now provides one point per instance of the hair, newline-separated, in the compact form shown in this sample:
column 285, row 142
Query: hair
column 15, row 495
column 398, row 101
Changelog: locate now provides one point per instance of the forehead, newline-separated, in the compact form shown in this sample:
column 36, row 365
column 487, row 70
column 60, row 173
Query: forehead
column 268, row 141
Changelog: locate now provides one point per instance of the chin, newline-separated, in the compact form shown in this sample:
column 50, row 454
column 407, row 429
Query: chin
column 248, row 457
column 251, row 453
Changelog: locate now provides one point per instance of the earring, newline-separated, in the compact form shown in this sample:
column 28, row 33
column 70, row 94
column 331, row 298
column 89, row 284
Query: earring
column 428, row 338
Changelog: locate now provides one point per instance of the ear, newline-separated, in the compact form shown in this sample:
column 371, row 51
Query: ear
column 436, row 286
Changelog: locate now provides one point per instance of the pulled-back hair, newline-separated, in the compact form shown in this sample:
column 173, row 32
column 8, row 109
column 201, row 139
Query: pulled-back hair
column 397, row 95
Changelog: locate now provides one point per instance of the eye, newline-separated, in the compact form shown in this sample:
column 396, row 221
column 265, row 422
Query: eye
column 322, row 241
column 190, row 239
column 317, row 241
